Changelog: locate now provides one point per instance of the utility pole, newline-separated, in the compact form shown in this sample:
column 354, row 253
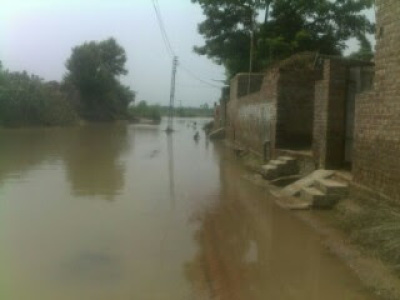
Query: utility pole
column 252, row 21
column 172, row 96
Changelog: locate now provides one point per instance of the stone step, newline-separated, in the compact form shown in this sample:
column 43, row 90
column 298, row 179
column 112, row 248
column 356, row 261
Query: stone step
column 277, row 162
column 317, row 198
column 332, row 187
column 268, row 167
column 295, row 188
column 269, row 171
column 290, row 167
column 287, row 159
column 282, row 166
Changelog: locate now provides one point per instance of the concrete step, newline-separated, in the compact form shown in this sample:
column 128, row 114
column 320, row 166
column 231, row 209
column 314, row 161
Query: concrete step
column 332, row 187
column 287, row 159
column 217, row 134
column 277, row 162
column 269, row 172
column 282, row 166
column 268, row 167
column 317, row 198
column 290, row 167
column 295, row 188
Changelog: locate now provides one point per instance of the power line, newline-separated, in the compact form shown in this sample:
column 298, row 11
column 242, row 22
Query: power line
column 162, row 27
column 193, row 75
column 188, row 86
column 170, row 50
column 164, row 34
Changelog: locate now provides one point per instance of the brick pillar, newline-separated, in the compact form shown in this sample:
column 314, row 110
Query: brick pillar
column 377, row 135
column 329, row 115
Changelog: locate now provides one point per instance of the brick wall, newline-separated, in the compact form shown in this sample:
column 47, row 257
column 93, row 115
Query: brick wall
column 329, row 126
column 248, row 83
column 334, row 110
column 295, row 112
column 280, row 113
column 320, row 117
column 377, row 132
column 249, row 117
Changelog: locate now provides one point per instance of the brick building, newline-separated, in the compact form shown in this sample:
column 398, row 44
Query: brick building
column 377, row 132
column 305, row 103
column 341, row 114
column 335, row 102
column 276, row 109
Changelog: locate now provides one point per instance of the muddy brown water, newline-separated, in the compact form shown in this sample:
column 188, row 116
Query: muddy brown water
column 125, row 212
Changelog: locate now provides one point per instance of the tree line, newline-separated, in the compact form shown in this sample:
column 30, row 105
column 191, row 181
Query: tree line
column 155, row 112
column 90, row 90
column 279, row 29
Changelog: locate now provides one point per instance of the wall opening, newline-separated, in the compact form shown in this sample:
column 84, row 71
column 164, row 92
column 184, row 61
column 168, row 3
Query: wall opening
column 295, row 110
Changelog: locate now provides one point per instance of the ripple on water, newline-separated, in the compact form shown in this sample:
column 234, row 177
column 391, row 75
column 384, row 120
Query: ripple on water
column 93, row 267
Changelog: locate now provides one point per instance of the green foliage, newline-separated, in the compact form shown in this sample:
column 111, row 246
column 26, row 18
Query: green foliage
column 189, row 112
column 27, row 100
column 154, row 112
column 90, row 89
column 375, row 226
column 289, row 27
column 144, row 111
column 365, row 51
column 93, row 69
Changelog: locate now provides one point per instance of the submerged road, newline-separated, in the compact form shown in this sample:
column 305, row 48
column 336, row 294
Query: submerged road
column 126, row 212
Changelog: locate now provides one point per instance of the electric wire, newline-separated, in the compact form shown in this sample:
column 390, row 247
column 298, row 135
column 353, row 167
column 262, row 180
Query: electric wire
column 170, row 50
column 193, row 75
column 163, row 31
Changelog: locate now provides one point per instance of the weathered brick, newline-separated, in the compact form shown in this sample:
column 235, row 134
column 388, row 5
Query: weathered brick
column 281, row 112
column 377, row 134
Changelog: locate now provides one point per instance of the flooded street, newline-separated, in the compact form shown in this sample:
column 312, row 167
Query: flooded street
column 125, row 212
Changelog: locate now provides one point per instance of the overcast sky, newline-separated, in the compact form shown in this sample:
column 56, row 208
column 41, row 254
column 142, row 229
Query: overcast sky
column 37, row 36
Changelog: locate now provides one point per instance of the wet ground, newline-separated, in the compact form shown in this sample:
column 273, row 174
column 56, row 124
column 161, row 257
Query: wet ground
column 126, row 212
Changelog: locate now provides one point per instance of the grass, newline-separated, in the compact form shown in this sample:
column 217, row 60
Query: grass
column 375, row 227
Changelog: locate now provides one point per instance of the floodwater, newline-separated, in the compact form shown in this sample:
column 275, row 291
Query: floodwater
column 126, row 212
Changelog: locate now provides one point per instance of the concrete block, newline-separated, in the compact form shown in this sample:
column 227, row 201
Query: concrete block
column 332, row 187
column 290, row 166
column 287, row 159
column 217, row 134
column 269, row 172
column 318, row 199
column 277, row 162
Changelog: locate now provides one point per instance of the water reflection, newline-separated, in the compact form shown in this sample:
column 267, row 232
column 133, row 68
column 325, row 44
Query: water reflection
column 250, row 249
column 237, row 246
column 91, row 155
column 93, row 163
column 21, row 150
column 93, row 267
column 171, row 171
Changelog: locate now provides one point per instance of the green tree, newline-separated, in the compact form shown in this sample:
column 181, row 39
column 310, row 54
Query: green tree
column 27, row 100
column 94, row 69
column 365, row 51
column 145, row 111
column 287, row 27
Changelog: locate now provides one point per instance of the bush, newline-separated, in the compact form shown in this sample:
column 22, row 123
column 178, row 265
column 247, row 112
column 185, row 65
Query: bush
column 27, row 100
column 144, row 111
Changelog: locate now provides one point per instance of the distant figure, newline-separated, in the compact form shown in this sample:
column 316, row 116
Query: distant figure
column 196, row 136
